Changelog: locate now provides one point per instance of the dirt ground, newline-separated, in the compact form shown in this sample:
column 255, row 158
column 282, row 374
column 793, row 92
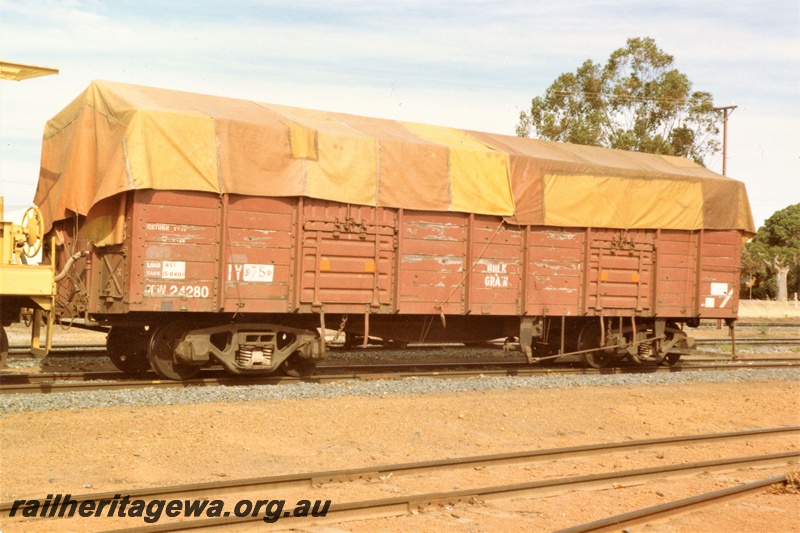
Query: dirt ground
column 118, row 449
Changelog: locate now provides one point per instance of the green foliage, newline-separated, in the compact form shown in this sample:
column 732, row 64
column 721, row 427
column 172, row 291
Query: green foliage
column 775, row 249
column 782, row 229
column 637, row 102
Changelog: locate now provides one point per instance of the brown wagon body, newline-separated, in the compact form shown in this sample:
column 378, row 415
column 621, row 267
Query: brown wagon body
column 188, row 276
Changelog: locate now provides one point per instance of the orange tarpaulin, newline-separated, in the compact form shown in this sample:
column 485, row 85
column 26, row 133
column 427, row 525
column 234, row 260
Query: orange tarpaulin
column 116, row 137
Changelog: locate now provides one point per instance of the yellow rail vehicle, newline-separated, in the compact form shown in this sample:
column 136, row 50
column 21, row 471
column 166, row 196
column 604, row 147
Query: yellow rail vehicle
column 26, row 291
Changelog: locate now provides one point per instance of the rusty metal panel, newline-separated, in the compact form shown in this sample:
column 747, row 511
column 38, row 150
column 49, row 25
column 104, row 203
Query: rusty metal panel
column 718, row 274
column 257, row 254
column 555, row 275
column 174, row 250
column 432, row 260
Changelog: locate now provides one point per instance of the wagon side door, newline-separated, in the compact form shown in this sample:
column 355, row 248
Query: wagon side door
column 619, row 271
column 347, row 259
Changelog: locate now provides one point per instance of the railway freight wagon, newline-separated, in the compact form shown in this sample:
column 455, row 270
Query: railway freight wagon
column 204, row 229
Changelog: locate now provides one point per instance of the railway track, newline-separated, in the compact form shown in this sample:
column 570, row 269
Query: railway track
column 365, row 509
column 752, row 341
column 647, row 514
column 23, row 350
column 94, row 381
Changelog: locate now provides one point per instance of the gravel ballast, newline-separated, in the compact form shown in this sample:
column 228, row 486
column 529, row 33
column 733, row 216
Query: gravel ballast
column 199, row 395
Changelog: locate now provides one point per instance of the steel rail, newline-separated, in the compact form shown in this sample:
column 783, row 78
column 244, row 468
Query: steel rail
column 744, row 323
column 99, row 349
column 81, row 386
column 23, row 351
column 371, row 472
column 403, row 505
column 48, row 383
column 17, row 378
column 89, row 375
column 745, row 340
column 49, row 377
column 381, row 373
column 64, row 346
column 703, row 357
column 721, row 358
column 640, row 516
column 95, row 349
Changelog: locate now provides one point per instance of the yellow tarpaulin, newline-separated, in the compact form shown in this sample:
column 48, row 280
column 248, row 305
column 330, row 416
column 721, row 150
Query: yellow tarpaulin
column 615, row 202
column 117, row 137
column 558, row 184
column 479, row 180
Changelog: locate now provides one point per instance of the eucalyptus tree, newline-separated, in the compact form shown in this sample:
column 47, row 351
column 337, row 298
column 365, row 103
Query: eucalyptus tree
column 637, row 101
column 776, row 246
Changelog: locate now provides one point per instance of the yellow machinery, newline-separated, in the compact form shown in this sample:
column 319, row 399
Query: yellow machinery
column 26, row 291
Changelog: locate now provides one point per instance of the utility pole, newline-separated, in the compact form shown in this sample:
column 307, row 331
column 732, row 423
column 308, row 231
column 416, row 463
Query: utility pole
column 727, row 110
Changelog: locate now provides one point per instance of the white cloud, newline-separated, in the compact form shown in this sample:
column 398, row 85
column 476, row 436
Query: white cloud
column 468, row 64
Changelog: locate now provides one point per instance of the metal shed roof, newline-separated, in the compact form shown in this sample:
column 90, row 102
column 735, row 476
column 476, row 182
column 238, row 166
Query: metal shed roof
column 20, row 71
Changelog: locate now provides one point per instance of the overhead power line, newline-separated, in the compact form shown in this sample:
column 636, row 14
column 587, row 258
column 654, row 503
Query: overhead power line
column 622, row 97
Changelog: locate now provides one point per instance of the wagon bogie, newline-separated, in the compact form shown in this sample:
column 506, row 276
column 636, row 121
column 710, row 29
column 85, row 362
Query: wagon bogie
column 179, row 348
column 601, row 341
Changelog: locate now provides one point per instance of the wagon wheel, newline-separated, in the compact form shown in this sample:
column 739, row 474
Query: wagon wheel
column 3, row 347
column 298, row 367
column 161, row 350
column 33, row 225
column 589, row 338
column 672, row 359
column 127, row 348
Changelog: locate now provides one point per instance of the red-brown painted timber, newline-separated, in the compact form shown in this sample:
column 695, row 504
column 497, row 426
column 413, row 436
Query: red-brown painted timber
column 194, row 252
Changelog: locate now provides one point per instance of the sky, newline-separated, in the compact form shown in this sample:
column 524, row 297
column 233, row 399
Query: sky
column 471, row 64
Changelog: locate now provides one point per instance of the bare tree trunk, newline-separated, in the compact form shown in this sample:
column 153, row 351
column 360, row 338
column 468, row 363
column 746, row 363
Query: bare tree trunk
column 781, row 278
